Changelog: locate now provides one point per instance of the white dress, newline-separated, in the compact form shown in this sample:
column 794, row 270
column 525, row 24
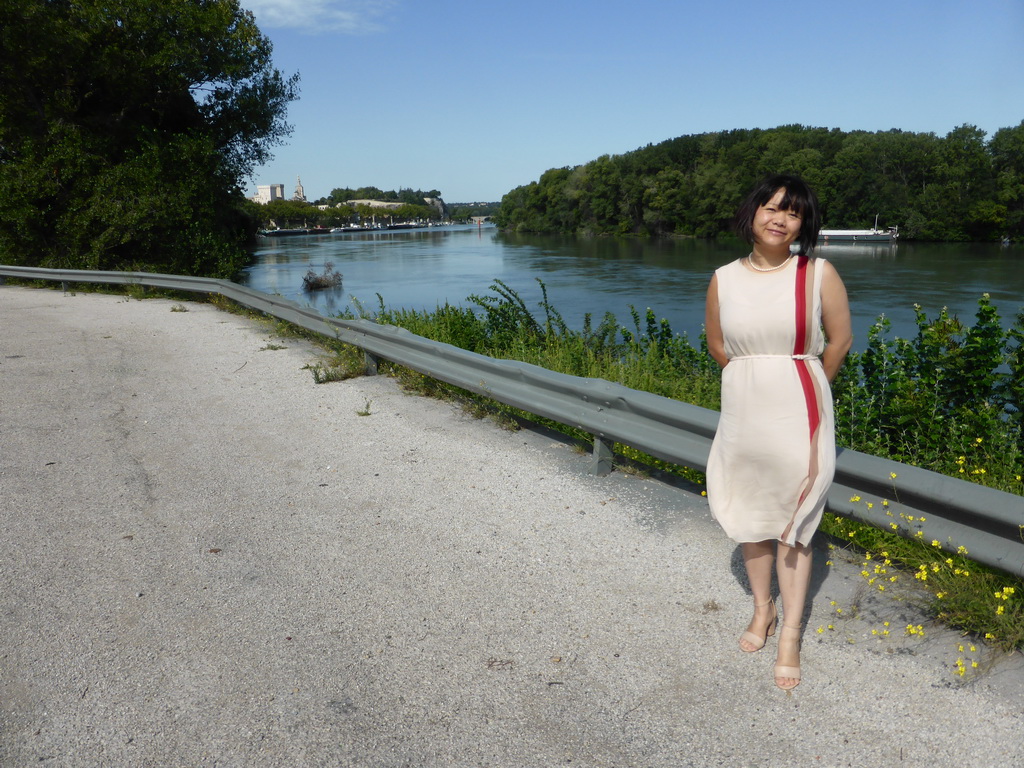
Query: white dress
column 773, row 457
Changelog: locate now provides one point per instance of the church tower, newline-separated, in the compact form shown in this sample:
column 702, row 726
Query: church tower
column 299, row 193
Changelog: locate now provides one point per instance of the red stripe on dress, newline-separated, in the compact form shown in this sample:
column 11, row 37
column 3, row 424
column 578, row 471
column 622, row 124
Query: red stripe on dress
column 810, row 396
column 803, row 369
column 800, row 346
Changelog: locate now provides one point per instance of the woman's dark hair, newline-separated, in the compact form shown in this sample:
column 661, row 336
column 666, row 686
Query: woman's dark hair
column 798, row 197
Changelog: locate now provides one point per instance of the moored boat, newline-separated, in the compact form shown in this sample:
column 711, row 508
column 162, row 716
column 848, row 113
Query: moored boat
column 858, row 235
column 354, row 228
column 874, row 235
column 291, row 232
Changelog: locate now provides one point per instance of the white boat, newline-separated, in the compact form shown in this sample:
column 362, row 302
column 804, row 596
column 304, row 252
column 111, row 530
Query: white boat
column 875, row 235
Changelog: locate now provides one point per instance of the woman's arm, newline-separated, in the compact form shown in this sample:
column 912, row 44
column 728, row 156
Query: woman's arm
column 713, row 325
column 835, row 318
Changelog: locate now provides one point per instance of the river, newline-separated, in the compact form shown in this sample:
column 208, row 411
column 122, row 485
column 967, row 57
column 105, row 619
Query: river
column 424, row 268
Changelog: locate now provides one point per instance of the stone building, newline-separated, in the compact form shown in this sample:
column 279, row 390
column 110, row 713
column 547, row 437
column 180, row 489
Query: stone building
column 268, row 192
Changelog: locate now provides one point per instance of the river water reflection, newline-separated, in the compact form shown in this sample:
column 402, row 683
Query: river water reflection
column 424, row 268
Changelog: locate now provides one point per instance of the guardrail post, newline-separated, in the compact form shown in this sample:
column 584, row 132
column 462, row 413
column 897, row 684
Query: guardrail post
column 601, row 458
column 371, row 362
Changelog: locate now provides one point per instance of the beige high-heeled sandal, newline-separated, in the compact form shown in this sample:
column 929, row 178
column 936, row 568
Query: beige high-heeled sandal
column 758, row 641
column 787, row 672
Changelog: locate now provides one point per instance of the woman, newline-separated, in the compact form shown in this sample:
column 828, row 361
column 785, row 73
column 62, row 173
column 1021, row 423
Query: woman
column 773, row 457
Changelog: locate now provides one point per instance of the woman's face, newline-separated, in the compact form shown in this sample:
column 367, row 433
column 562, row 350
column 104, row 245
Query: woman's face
column 774, row 226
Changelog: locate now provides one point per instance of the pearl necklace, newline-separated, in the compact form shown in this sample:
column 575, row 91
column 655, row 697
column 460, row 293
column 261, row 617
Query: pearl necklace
column 756, row 268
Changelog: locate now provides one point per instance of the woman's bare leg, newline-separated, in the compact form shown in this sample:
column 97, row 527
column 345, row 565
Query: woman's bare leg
column 759, row 558
column 793, row 567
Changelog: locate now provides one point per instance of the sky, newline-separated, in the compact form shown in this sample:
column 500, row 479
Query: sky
column 476, row 98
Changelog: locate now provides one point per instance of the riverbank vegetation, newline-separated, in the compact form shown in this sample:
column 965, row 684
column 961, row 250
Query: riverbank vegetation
column 287, row 214
column 347, row 206
column 410, row 196
column 958, row 187
column 947, row 400
column 127, row 128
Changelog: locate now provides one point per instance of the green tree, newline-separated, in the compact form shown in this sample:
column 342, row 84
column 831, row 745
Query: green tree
column 1007, row 150
column 289, row 214
column 966, row 172
column 127, row 128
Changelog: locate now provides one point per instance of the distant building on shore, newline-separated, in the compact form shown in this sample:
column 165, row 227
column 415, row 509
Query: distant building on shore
column 268, row 192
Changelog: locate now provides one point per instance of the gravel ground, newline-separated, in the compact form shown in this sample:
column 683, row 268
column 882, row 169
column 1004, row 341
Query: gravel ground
column 208, row 560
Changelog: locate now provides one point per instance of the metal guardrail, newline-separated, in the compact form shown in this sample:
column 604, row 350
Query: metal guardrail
column 911, row 501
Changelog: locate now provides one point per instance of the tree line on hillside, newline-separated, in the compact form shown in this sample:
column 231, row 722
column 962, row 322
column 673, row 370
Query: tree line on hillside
column 958, row 187
column 336, row 209
column 127, row 128
column 410, row 196
column 466, row 211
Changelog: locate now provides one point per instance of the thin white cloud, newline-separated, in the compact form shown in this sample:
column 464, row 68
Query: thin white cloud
column 347, row 16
